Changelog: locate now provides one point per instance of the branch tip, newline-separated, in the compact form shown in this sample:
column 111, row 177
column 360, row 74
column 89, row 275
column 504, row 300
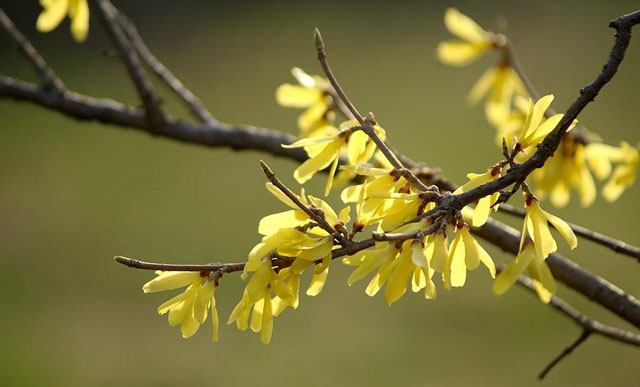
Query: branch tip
column 318, row 39
column 267, row 171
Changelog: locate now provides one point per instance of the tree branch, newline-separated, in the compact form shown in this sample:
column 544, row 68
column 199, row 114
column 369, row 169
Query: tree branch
column 150, row 100
column 48, row 78
column 246, row 137
column 192, row 102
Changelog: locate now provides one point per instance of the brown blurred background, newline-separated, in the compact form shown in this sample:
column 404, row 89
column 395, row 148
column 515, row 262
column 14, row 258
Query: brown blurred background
column 74, row 194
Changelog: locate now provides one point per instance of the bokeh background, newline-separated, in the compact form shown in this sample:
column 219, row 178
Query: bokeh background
column 74, row 194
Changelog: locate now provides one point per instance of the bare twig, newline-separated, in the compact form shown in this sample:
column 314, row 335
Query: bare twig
column 193, row 102
column 137, row 264
column 150, row 100
column 367, row 122
column 315, row 214
column 48, row 78
column 566, row 352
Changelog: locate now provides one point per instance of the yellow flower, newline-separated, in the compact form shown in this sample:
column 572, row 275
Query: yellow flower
column 536, row 127
column 289, row 234
column 537, row 228
column 256, row 300
column 396, row 267
column 539, row 272
column 55, row 10
column 475, row 41
column 325, row 151
column 624, row 174
column 189, row 308
column 508, row 128
column 566, row 169
column 483, row 208
column 465, row 253
column 311, row 94
column 501, row 83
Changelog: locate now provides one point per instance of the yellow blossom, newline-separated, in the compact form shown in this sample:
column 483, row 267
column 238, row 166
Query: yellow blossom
column 465, row 253
column 397, row 266
column 311, row 94
column 325, row 151
column 483, row 208
column 189, row 308
column 501, row 83
column 475, row 41
column 256, row 300
column 565, row 170
column 55, row 10
column 536, row 226
column 624, row 174
column 543, row 281
column 536, row 127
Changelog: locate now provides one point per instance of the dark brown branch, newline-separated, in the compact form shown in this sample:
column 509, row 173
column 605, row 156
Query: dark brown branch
column 566, row 352
column 601, row 239
column 48, row 78
column 151, row 102
column 83, row 107
column 192, row 102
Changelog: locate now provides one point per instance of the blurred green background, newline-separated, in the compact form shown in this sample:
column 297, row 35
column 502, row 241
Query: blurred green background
column 74, row 194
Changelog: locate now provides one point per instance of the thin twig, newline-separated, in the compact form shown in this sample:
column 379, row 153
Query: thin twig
column 315, row 214
column 150, row 100
column 192, row 102
column 367, row 122
column 137, row 264
column 48, row 78
column 566, row 352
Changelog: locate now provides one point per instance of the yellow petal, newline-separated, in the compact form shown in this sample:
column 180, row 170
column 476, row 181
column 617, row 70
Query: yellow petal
column 296, row 96
column 399, row 279
column 309, row 168
column 509, row 275
column 52, row 15
column 563, row 228
column 79, row 11
column 270, row 224
column 317, row 282
column 463, row 26
column 170, row 280
column 214, row 319
column 482, row 86
column 458, row 53
column 267, row 321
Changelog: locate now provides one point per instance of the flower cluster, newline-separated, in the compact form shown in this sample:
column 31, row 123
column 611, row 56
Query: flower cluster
column 523, row 123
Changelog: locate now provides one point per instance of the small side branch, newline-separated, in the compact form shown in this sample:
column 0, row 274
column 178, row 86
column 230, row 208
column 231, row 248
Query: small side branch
column 566, row 352
column 367, row 122
column 48, row 79
column 150, row 100
column 137, row 264
column 192, row 102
